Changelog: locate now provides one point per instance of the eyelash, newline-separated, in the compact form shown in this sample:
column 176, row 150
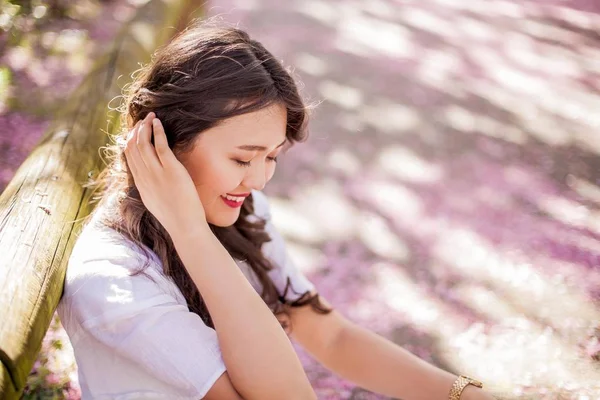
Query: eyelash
column 247, row 163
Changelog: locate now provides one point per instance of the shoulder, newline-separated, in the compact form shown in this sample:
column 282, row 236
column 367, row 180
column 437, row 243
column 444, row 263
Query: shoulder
column 103, row 277
column 101, row 252
column 100, row 242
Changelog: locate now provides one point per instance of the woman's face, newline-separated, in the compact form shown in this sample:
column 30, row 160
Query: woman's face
column 233, row 158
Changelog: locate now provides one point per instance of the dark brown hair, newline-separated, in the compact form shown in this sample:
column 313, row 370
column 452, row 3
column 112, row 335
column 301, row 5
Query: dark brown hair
column 206, row 74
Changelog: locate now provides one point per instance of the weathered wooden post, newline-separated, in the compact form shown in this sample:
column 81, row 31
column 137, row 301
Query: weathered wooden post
column 41, row 206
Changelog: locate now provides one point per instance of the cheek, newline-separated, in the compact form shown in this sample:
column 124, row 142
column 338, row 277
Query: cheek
column 218, row 175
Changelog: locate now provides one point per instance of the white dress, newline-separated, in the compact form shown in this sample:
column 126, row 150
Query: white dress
column 134, row 337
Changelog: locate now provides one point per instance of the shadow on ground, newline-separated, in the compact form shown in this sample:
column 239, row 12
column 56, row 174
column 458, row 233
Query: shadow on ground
column 448, row 196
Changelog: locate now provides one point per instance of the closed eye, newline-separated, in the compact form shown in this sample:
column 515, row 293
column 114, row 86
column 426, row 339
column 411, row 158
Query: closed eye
column 247, row 163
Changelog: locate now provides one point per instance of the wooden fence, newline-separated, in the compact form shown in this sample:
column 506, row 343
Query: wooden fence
column 42, row 207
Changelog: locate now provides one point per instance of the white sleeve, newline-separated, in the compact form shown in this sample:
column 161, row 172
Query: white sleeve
column 276, row 252
column 136, row 319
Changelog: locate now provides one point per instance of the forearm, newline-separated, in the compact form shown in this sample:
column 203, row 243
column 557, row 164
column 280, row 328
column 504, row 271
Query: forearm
column 260, row 359
column 379, row 365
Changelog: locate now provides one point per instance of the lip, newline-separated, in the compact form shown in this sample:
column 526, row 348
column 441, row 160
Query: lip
column 232, row 204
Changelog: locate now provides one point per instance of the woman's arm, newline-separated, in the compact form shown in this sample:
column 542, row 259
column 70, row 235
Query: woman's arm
column 260, row 359
column 371, row 361
column 377, row 364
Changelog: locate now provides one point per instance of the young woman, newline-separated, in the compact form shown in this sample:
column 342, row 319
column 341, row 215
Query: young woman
column 179, row 287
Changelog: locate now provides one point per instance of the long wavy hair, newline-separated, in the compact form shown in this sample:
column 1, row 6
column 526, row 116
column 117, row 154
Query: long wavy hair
column 206, row 74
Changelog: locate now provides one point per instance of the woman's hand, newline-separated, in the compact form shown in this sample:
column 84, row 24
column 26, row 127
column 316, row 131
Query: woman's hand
column 165, row 186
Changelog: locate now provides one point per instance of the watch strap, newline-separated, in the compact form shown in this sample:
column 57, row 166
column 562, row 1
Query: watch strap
column 459, row 385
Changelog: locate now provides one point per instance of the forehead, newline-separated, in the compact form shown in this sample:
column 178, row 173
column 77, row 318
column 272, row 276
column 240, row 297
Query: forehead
column 265, row 127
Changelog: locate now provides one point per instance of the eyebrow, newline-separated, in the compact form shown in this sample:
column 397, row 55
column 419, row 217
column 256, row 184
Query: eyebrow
column 254, row 147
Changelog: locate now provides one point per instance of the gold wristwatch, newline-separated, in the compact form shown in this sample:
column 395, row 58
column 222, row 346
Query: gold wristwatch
column 460, row 384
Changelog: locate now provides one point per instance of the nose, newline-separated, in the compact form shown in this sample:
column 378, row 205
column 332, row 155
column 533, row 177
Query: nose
column 256, row 177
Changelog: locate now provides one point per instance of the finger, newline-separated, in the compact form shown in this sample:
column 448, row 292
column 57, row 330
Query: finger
column 165, row 154
column 143, row 122
column 146, row 150
column 132, row 155
column 130, row 139
column 131, row 166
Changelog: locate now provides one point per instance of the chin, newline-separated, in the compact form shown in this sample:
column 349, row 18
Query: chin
column 222, row 221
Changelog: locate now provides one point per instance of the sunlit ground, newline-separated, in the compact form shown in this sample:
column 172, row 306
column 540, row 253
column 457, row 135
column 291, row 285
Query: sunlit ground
column 449, row 195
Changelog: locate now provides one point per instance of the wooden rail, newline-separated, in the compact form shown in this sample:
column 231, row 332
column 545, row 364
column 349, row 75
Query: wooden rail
column 41, row 208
